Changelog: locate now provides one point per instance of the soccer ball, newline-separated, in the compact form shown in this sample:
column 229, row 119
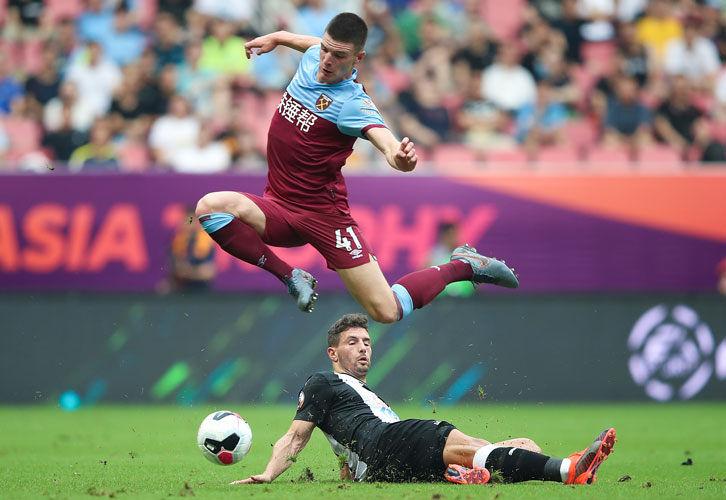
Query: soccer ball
column 224, row 437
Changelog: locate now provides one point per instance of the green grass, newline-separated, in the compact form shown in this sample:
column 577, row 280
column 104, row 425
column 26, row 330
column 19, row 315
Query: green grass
column 130, row 452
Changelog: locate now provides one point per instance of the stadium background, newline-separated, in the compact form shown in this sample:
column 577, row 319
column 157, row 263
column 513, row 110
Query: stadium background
column 617, row 230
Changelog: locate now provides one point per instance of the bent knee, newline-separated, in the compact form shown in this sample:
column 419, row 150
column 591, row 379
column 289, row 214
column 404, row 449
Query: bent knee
column 206, row 205
column 530, row 445
column 383, row 312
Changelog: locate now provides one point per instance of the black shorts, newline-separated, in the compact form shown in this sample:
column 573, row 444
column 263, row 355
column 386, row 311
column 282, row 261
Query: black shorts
column 410, row 450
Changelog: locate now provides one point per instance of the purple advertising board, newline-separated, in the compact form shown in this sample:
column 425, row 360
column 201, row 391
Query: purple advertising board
column 113, row 232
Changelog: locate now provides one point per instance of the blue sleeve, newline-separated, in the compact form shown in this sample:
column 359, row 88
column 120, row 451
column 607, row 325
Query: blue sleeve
column 358, row 114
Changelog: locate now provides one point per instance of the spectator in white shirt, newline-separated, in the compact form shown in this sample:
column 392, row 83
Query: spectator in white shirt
column 507, row 84
column 206, row 157
column 175, row 130
column 96, row 77
column 693, row 56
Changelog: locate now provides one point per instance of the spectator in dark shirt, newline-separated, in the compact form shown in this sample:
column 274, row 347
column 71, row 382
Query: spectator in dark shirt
column 167, row 41
column 61, row 143
column 627, row 122
column 676, row 117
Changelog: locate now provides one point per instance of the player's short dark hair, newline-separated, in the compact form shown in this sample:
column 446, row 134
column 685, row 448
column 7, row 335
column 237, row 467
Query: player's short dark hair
column 348, row 28
column 355, row 320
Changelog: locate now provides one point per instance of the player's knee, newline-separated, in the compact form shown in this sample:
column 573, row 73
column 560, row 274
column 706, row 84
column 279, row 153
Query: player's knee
column 205, row 205
column 382, row 313
column 530, row 445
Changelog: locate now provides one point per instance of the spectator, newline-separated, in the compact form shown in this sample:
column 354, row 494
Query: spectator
column 627, row 122
column 167, row 41
column 447, row 239
column 694, row 56
column 126, row 106
column 312, row 17
column 99, row 154
column 707, row 150
column 10, row 87
column 133, row 152
column 44, row 86
column 570, row 24
column 424, row 119
column 483, row 125
column 475, row 55
column 96, row 77
column 65, row 40
column 633, row 58
column 82, row 115
column 223, row 53
column 124, row 42
column 192, row 267
column 676, row 118
column 175, row 130
column 657, row 28
column 598, row 17
column 60, row 143
column 208, row 156
column 507, row 84
column 95, row 22
column 176, row 8
column 193, row 82
column 541, row 123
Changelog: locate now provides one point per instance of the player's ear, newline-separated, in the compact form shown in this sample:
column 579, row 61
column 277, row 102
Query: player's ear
column 360, row 56
column 332, row 354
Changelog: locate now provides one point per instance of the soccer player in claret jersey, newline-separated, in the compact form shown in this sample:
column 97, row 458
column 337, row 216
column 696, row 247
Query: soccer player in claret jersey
column 378, row 446
column 321, row 114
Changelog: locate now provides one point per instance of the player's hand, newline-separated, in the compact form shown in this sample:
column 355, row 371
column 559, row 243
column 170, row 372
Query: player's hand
column 406, row 158
column 260, row 45
column 258, row 479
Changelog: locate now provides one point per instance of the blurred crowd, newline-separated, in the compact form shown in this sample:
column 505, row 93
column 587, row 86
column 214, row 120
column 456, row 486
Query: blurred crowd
column 136, row 85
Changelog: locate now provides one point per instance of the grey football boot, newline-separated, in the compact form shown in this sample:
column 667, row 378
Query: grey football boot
column 301, row 285
column 486, row 269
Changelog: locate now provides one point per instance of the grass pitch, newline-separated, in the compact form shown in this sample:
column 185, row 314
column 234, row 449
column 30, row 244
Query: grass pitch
column 130, row 452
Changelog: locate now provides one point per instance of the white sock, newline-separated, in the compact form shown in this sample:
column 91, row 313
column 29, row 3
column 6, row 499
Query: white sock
column 565, row 469
column 481, row 455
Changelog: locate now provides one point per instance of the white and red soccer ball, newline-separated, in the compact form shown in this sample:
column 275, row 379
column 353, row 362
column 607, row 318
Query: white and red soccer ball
column 224, row 437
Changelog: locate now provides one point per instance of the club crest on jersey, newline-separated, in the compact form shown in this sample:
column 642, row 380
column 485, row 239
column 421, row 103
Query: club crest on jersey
column 323, row 102
column 300, row 400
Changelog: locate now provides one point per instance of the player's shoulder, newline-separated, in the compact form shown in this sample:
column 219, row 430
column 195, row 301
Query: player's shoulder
column 320, row 379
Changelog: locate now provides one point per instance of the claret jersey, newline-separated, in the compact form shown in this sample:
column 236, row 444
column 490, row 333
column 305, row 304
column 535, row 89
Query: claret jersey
column 312, row 134
column 350, row 415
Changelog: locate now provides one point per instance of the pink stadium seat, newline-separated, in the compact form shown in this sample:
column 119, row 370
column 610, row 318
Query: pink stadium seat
column 507, row 156
column 718, row 130
column 581, row 133
column 504, row 18
column 598, row 57
column 32, row 56
column 660, row 156
column 146, row 13
column 64, row 9
column 608, row 157
column 453, row 154
column 562, row 155
column 24, row 135
column 585, row 80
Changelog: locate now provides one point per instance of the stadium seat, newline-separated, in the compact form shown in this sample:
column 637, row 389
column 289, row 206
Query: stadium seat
column 582, row 133
column 504, row 18
column 659, row 157
column 559, row 157
column 608, row 158
column 64, row 9
column 24, row 135
column 598, row 57
column 718, row 130
column 453, row 154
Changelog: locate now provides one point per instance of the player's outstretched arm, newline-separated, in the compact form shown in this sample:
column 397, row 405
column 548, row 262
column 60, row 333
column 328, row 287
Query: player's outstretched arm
column 283, row 453
column 267, row 43
column 400, row 155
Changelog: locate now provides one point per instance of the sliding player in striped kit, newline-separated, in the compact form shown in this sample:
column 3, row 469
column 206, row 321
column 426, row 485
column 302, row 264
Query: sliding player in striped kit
column 377, row 446
column 321, row 114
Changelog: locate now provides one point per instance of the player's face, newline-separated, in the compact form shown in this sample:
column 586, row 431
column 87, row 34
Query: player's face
column 353, row 353
column 337, row 60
